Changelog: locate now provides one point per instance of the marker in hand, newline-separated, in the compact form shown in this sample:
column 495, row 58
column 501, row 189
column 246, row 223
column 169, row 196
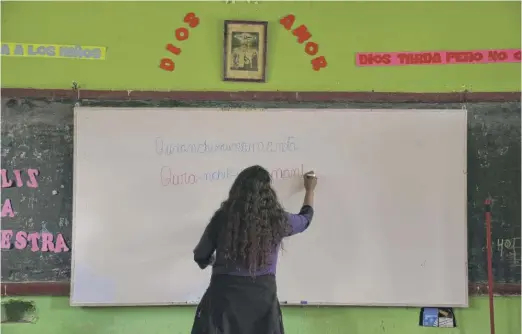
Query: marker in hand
column 311, row 174
column 310, row 181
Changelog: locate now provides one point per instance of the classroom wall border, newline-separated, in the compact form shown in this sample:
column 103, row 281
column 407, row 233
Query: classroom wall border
column 63, row 288
column 459, row 97
column 58, row 289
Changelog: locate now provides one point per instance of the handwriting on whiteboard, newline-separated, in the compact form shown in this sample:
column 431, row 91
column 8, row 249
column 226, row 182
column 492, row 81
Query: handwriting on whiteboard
column 169, row 176
column 509, row 249
column 275, row 146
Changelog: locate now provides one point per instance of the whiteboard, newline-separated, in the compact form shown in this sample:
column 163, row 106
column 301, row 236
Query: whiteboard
column 390, row 221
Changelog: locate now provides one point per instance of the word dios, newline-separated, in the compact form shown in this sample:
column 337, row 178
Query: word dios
column 163, row 148
column 39, row 241
column 169, row 178
column 438, row 57
column 181, row 34
column 17, row 179
column 303, row 35
column 53, row 51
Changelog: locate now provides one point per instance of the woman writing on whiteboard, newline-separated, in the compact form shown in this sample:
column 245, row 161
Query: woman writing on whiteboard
column 246, row 233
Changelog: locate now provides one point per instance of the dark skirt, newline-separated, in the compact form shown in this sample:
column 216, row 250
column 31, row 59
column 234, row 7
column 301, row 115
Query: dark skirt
column 239, row 305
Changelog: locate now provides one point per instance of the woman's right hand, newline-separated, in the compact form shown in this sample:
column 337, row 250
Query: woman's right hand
column 310, row 181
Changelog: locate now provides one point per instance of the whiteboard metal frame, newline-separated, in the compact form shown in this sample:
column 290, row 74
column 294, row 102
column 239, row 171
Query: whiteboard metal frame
column 78, row 109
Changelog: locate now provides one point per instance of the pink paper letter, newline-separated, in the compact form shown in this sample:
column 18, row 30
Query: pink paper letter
column 60, row 244
column 21, row 240
column 33, row 238
column 6, row 183
column 6, row 239
column 18, row 177
column 47, row 242
column 7, row 209
column 32, row 183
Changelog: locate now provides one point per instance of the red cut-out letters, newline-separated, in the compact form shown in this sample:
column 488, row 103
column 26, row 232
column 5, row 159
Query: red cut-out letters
column 303, row 35
column 287, row 21
column 192, row 20
column 319, row 63
column 173, row 49
column 167, row 64
column 181, row 34
column 311, row 48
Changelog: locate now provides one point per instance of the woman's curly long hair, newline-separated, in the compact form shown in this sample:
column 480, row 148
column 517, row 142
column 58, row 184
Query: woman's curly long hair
column 255, row 220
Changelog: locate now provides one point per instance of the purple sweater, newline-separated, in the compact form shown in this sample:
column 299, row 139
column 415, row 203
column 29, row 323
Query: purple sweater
column 204, row 251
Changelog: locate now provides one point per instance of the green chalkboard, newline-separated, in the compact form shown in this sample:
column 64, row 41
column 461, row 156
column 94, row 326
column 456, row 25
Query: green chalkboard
column 38, row 134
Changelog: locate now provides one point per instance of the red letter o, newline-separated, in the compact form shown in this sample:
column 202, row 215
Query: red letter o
column 311, row 48
column 182, row 34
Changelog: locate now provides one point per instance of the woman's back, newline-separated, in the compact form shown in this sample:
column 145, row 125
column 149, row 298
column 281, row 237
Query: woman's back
column 223, row 264
column 241, row 242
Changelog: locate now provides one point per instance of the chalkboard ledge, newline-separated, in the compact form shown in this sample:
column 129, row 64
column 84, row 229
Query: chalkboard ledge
column 63, row 289
column 281, row 96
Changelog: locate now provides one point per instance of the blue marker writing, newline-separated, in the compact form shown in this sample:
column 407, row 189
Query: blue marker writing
column 304, row 302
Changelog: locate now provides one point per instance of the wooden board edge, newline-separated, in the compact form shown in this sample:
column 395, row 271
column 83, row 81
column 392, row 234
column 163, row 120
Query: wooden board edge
column 63, row 289
column 396, row 97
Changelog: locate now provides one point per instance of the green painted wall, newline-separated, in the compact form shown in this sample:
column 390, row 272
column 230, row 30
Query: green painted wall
column 136, row 34
column 56, row 317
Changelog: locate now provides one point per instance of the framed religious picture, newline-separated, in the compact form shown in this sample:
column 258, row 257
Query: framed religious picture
column 245, row 51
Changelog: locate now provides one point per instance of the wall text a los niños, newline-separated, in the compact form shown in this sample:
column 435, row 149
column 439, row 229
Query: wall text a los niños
column 45, row 242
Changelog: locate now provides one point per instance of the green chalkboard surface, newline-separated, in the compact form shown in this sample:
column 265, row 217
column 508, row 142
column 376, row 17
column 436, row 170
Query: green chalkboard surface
column 38, row 135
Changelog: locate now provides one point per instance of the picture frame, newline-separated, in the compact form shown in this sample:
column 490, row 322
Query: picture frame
column 244, row 51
